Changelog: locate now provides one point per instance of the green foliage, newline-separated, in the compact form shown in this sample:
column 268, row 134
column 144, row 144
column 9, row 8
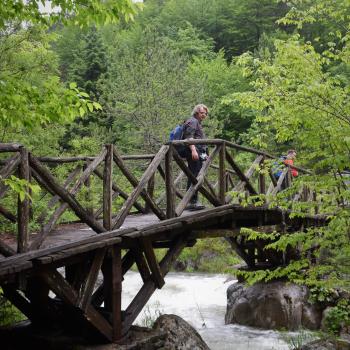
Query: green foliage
column 22, row 187
column 211, row 255
column 62, row 11
column 8, row 313
column 299, row 100
column 216, row 78
column 234, row 25
column 87, row 63
column 149, row 317
column 146, row 91
column 296, row 341
column 338, row 316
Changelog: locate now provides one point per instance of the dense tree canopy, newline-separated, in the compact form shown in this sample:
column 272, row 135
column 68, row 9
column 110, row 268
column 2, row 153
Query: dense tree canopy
column 275, row 74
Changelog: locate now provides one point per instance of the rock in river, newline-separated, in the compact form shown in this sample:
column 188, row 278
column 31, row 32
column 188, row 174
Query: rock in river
column 273, row 305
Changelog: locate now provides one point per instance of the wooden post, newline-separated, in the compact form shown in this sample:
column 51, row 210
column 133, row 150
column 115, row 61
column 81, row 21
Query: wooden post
column 169, row 184
column 262, row 183
column 107, row 189
column 88, row 197
column 150, row 190
column 23, row 206
column 222, row 178
column 117, row 278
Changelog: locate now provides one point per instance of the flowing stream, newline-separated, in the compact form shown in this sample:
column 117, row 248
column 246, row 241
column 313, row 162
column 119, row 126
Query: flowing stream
column 200, row 299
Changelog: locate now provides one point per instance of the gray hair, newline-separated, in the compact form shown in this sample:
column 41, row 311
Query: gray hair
column 198, row 107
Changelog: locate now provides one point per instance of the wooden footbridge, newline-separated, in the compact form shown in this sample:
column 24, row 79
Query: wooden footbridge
column 122, row 208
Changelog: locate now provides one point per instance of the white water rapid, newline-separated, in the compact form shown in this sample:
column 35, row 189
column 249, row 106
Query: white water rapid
column 200, row 299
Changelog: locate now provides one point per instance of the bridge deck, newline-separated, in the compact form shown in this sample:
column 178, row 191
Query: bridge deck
column 73, row 232
column 67, row 233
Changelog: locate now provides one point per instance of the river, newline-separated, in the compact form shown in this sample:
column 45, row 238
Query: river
column 200, row 299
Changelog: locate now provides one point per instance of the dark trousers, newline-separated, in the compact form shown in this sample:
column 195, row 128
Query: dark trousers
column 195, row 167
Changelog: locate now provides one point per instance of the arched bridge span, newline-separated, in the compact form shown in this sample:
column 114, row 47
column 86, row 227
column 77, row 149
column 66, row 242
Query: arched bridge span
column 125, row 211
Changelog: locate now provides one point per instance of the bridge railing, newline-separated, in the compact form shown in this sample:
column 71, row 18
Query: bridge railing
column 152, row 186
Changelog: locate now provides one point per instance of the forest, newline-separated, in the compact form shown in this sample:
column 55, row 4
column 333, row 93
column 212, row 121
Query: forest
column 275, row 75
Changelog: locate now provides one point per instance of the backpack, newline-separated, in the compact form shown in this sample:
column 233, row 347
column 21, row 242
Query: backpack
column 177, row 133
column 278, row 166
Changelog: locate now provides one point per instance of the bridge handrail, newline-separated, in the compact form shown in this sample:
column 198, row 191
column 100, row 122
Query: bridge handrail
column 231, row 177
column 232, row 145
column 15, row 147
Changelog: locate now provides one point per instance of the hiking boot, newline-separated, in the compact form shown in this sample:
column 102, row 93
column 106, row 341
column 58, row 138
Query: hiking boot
column 195, row 206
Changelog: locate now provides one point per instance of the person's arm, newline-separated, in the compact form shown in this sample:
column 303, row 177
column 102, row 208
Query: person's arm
column 189, row 132
column 194, row 152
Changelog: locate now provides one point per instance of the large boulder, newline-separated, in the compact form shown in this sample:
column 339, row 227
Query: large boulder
column 273, row 305
column 179, row 334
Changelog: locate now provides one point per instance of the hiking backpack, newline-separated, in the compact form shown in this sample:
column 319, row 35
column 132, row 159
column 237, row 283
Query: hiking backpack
column 177, row 133
column 278, row 166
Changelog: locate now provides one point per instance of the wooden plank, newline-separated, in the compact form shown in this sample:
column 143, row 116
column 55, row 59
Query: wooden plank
column 88, row 287
column 124, row 211
column 13, row 260
column 150, row 191
column 51, row 183
column 188, row 142
column 107, row 189
column 64, row 291
column 116, row 292
column 262, row 182
column 132, row 179
column 127, row 261
column 6, row 272
column 169, row 185
column 62, row 255
column 149, row 231
column 90, row 159
column 152, row 262
column 23, row 205
column 221, row 175
column 200, row 179
column 279, row 182
column 141, row 262
column 10, row 147
column 232, row 232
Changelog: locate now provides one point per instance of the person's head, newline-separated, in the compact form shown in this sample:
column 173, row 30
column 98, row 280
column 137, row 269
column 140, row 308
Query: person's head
column 291, row 154
column 200, row 111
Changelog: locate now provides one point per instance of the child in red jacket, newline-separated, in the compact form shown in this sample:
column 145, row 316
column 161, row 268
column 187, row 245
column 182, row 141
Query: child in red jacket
column 291, row 154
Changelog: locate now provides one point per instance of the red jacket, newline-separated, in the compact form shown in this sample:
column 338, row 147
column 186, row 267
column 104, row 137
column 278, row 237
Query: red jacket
column 293, row 170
